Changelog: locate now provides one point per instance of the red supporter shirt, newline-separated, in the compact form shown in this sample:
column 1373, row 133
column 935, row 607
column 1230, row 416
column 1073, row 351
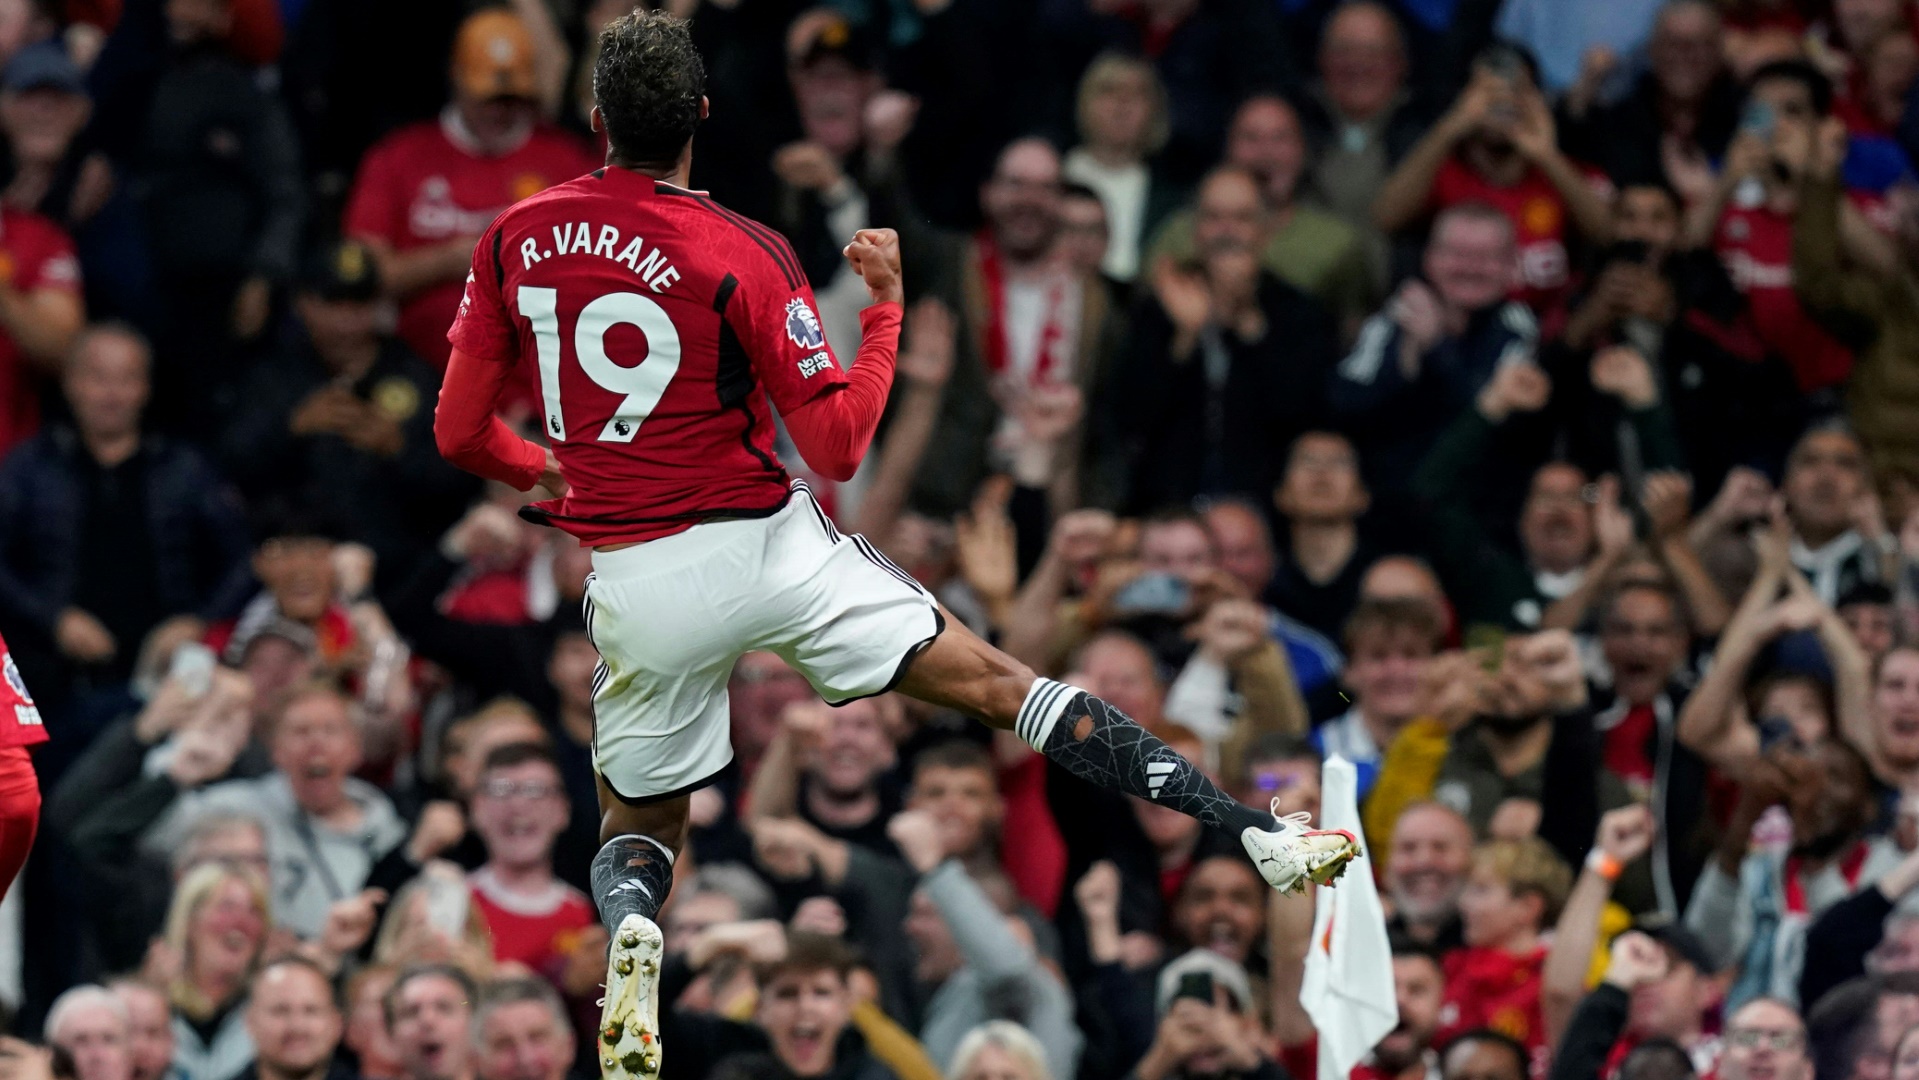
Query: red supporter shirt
column 422, row 185
column 19, row 719
column 1538, row 214
column 659, row 324
column 538, row 932
column 1756, row 247
column 1492, row 988
column 34, row 255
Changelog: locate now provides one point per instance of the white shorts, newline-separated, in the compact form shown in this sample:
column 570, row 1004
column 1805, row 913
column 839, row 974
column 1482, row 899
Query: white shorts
column 671, row 616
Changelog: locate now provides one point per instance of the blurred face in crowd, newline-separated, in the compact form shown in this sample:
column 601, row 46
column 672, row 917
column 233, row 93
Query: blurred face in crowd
column 761, row 688
column 1898, row 950
column 855, row 751
column 226, row 932
column 1830, row 796
column 150, row 1029
column 432, row 1022
column 1799, row 701
column 1470, row 260
column 965, row 802
column 1118, row 114
column 1895, row 707
column 1211, row 1056
column 1431, row 856
column 1555, row 524
column 1686, row 51
column 1401, row 577
column 1893, row 1014
column 831, row 95
column 1890, row 66
column 240, row 845
column 498, row 124
column 570, row 669
column 95, row 1033
column 366, row 1032
column 473, row 738
column 106, row 384
column 1825, row 476
column 317, row 745
column 274, row 665
column 338, row 325
column 1492, row 914
column 1265, row 140
column 519, row 810
column 1674, row 1005
column 1222, row 907
column 1383, row 669
column 1118, row 669
column 803, row 1013
column 1871, row 624
column 1245, row 545
column 1021, row 200
column 1646, row 214
column 1178, row 547
column 193, row 21
column 293, row 1020
column 1905, row 1056
column 40, row 123
column 1643, row 636
column 693, row 913
column 1482, row 1059
column 1081, row 244
column 1419, row 986
column 298, row 571
column 1229, row 215
column 524, row 1040
column 1294, row 782
column 1362, row 60
column 1765, row 1040
column 1862, row 22
column 1322, row 484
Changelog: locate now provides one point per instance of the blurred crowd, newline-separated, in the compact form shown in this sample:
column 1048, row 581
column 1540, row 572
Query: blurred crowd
column 1516, row 398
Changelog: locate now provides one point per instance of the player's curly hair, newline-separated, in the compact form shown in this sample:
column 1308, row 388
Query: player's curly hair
column 648, row 81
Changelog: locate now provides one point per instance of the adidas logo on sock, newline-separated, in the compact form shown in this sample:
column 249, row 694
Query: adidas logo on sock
column 1156, row 774
column 630, row 885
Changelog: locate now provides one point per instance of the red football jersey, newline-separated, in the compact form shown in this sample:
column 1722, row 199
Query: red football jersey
column 659, row 324
column 19, row 720
column 1756, row 247
column 421, row 186
column 1489, row 987
column 34, row 254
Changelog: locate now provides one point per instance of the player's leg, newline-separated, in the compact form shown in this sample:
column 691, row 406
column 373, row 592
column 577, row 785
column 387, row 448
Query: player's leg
column 1103, row 746
column 633, row 871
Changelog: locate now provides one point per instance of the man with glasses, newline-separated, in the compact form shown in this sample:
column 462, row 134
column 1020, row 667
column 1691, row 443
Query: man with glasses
column 1765, row 1040
column 519, row 809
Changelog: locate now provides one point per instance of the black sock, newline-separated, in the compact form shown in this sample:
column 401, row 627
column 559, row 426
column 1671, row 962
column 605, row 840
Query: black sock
column 1103, row 746
column 631, row 876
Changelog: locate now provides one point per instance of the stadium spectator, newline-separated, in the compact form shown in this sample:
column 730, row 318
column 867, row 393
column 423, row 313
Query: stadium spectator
column 430, row 1010
column 91, row 1026
column 109, row 531
column 150, row 1038
column 1207, row 404
column 1321, row 498
column 1121, row 116
column 1432, row 851
column 294, row 1021
column 424, row 193
column 216, row 935
column 1297, row 242
column 523, row 1032
column 1388, row 645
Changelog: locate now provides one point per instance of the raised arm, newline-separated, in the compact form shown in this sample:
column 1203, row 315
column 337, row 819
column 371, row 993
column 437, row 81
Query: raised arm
column 833, row 430
column 1624, row 835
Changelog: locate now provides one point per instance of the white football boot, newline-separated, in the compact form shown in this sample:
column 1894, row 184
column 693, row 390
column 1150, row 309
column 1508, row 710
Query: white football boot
column 1292, row 853
column 629, row 1032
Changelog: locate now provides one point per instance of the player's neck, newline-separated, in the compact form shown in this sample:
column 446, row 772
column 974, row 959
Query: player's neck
column 678, row 174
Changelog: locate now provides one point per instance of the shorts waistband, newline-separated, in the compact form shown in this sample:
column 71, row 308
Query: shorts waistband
column 675, row 552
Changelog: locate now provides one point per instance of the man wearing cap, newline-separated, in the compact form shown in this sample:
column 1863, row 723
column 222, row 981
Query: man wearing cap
column 425, row 192
column 840, row 176
column 1661, row 983
column 40, row 305
column 343, row 416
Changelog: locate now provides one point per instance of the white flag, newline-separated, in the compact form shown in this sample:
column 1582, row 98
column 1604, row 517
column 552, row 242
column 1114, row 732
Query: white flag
column 1348, row 986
